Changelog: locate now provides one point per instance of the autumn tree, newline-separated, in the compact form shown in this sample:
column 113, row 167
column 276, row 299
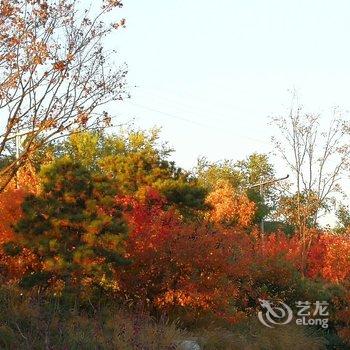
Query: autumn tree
column 317, row 160
column 13, row 266
column 74, row 228
column 11, row 211
column 55, row 75
column 242, row 175
column 228, row 207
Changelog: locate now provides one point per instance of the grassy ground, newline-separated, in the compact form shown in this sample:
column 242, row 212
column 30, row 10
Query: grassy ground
column 32, row 324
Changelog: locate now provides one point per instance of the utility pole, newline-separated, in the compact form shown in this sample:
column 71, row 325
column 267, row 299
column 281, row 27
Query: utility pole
column 261, row 187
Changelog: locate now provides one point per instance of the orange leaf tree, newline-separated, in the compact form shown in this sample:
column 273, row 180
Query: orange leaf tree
column 55, row 76
column 11, row 212
column 229, row 207
column 12, row 268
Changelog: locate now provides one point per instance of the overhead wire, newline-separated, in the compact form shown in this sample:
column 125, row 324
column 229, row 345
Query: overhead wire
column 195, row 122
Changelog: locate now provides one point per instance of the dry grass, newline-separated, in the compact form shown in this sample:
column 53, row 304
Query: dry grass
column 253, row 336
column 29, row 324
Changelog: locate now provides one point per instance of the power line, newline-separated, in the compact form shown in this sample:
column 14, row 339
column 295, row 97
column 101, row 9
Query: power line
column 169, row 114
column 192, row 121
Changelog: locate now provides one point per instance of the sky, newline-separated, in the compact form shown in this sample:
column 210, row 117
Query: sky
column 210, row 73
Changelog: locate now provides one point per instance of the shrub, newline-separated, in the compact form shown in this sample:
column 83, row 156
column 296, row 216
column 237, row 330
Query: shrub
column 329, row 258
column 181, row 267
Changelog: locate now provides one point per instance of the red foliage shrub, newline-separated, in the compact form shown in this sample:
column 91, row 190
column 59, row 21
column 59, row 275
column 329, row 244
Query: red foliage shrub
column 279, row 255
column 11, row 212
column 177, row 265
column 278, row 244
column 12, row 268
column 329, row 258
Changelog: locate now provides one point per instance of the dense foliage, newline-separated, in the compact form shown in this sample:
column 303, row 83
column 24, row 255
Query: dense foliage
column 121, row 223
column 74, row 228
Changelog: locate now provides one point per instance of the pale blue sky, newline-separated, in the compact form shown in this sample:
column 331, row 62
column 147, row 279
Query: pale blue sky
column 211, row 72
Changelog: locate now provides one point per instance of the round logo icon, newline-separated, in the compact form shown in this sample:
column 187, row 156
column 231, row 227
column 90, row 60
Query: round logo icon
column 279, row 314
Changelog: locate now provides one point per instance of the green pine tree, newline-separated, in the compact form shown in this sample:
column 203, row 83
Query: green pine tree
column 74, row 227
